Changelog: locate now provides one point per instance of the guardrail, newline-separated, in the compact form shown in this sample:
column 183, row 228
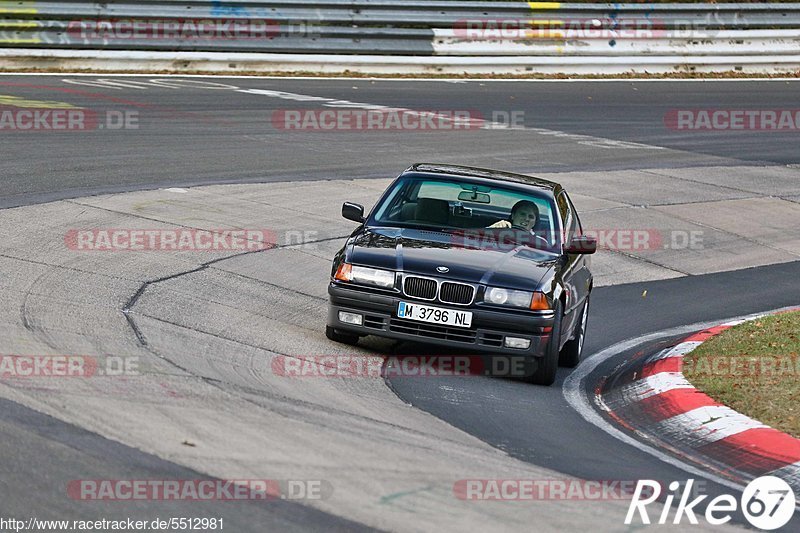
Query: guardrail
column 466, row 32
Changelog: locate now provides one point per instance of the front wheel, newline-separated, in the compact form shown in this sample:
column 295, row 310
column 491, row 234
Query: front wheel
column 571, row 354
column 545, row 373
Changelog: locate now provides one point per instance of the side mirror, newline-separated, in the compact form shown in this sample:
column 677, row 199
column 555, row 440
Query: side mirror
column 354, row 212
column 582, row 244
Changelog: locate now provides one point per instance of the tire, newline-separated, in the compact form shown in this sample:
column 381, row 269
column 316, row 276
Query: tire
column 339, row 336
column 545, row 373
column 573, row 349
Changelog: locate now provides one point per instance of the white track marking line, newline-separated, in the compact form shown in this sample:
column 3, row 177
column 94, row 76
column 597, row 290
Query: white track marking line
column 587, row 140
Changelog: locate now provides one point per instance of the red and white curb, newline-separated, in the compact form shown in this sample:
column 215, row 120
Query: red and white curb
column 657, row 402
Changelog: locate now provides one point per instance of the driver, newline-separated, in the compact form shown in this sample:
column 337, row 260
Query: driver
column 524, row 215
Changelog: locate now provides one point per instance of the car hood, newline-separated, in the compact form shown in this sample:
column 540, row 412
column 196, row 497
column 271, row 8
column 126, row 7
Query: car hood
column 421, row 252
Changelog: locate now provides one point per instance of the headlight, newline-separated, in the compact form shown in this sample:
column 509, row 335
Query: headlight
column 498, row 296
column 367, row 276
column 373, row 276
column 529, row 300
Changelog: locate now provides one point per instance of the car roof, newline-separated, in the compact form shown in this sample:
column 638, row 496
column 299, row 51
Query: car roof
column 486, row 174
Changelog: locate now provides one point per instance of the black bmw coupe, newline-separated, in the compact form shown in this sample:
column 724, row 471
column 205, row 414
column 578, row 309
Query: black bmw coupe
column 473, row 259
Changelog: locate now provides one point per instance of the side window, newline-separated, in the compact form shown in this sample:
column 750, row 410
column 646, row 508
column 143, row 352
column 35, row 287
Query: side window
column 568, row 218
column 578, row 227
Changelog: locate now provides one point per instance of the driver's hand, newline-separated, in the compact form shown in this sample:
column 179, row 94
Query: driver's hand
column 501, row 224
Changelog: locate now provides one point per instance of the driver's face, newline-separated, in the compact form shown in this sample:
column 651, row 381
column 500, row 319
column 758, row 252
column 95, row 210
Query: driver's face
column 524, row 217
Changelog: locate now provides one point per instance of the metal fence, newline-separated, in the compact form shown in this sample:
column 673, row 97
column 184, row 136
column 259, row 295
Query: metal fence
column 465, row 32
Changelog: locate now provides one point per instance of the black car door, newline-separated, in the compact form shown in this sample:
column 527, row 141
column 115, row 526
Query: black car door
column 575, row 276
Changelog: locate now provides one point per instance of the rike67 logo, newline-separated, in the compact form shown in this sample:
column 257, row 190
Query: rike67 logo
column 768, row 503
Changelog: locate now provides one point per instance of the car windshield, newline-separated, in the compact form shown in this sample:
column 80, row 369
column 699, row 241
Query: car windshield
column 455, row 205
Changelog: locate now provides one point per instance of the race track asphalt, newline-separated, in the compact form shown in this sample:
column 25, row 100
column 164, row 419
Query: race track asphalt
column 188, row 135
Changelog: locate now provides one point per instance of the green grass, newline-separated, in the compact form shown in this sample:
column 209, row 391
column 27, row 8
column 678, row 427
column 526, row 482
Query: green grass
column 753, row 368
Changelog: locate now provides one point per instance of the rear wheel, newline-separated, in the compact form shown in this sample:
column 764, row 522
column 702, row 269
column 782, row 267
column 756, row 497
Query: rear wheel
column 545, row 373
column 339, row 336
column 571, row 354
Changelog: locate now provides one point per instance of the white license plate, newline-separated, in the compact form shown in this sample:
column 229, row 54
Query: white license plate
column 435, row 315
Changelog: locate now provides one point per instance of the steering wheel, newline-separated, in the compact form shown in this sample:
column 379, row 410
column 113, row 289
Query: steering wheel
column 542, row 241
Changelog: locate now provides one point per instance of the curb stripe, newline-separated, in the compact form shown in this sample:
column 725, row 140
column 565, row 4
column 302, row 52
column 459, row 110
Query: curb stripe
column 658, row 400
column 667, row 364
column 655, row 385
column 679, row 350
column 704, row 425
column 655, row 409
column 673, row 403
column 756, row 451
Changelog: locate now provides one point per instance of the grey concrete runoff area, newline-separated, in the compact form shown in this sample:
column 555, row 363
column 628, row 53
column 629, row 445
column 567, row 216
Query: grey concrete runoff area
column 204, row 337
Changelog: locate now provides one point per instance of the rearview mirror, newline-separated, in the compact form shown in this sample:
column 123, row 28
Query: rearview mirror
column 473, row 196
column 354, row 212
column 582, row 244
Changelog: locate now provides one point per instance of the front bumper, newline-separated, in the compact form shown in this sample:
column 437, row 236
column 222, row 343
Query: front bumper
column 486, row 335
